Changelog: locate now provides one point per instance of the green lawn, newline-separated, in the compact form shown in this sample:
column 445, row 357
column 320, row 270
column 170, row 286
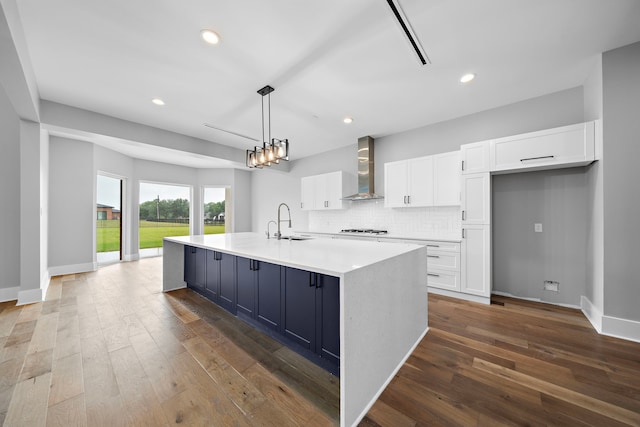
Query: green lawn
column 151, row 234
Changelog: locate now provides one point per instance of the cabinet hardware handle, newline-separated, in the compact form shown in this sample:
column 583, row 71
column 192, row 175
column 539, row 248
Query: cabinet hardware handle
column 464, row 216
column 408, row 200
column 318, row 282
column 312, row 280
column 433, row 275
column 433, row 256
column 463, row 165
column 433, row 246
column 301, row 205
column 463, row 233
column 537, row 158
column 256, row 266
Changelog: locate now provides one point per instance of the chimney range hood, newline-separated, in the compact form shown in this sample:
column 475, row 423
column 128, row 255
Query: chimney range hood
column 365, row 171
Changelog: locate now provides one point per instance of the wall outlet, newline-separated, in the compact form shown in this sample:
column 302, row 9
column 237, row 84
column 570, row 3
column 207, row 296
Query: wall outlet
column 537, row 227
column 550, row 285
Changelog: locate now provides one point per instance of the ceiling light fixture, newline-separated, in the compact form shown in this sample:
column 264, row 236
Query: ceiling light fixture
column 467, row 78
column 273, row 150
column 398, row 13
column 210, row 36
column 157, row 101
column 348, row 120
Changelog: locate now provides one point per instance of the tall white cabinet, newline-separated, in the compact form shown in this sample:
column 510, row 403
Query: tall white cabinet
column 475, row 248
column 325, row 191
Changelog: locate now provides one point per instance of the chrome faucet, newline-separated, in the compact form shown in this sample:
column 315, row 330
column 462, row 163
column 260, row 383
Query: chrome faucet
column 278, row 234
column 269, row 231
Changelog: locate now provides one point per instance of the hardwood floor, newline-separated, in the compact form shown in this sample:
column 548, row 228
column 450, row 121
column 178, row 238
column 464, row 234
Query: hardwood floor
column 512, row 363
column 108, row 348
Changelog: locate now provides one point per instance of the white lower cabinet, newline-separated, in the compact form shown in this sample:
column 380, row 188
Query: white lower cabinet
column 443, row 265
column 476, row 260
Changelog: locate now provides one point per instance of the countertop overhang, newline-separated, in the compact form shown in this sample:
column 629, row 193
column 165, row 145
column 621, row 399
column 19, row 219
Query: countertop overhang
column 334, row 257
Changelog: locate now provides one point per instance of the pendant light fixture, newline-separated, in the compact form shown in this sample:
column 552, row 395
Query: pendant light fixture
column 273, row 150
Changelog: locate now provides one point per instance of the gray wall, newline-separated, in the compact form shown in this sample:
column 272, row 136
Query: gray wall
column 556, row 109
column 71, row 203
column 621, row 88
column 9, row 194
column 523, row 259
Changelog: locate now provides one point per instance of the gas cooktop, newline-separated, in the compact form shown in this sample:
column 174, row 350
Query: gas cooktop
column 363, row 231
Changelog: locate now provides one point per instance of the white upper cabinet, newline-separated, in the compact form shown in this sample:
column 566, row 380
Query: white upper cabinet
column 476, row 199
column 321, row 192
column 408, row 183
column 446, row 179
column 475, row 157
column 548, row 149
column 423, row 181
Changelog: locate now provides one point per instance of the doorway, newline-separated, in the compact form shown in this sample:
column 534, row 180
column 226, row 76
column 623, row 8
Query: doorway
column 214, row 210
column 108, row 219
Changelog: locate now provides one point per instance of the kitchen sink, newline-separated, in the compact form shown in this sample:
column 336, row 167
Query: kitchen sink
column 297, row 237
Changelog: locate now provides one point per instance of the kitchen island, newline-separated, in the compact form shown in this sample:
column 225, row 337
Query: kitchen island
column 382, row 300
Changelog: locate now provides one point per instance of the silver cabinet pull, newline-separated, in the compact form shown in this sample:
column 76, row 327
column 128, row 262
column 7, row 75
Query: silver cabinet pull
column 464, row 216
column 433, row 256
column 433, row 246
column 536, row 158
column 408, row 200
column 433, row 275
column 463, row 233
column 463, row 165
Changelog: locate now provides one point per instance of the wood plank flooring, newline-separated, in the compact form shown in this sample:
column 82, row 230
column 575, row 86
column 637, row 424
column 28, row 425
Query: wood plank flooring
column 512, row 363
column 108, row 348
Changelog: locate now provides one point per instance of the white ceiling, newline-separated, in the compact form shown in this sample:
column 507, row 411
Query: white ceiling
column 326, row 59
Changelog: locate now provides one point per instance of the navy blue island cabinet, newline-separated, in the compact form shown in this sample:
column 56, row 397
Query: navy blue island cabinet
column 312, row 312
column 301, row 306
column 195, row 267
column 220, row 285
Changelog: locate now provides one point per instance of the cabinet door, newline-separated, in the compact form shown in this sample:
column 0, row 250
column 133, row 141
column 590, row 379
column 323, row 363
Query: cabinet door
column 320, row 199
column 329, row 325
column 420, row 179
column 246, row 285
column 476, row 260
column 476, row 198
column 212, row 282
column 269, row 296
column 300, row 307
column 227, row 296
column 333, row 190
column 565, row 146
column 308, row 193
column 475, row 157
column 195, row 267
column 395, row 184
column 189, row 265
column 446, row 179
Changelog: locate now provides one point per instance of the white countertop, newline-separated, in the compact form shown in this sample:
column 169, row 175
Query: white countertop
column 416, row 236
column 334, row 257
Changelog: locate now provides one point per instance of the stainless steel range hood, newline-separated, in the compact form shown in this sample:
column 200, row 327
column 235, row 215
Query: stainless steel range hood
column 365, row 171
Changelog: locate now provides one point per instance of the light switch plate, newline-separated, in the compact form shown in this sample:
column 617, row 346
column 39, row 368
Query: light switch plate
column 537, row 227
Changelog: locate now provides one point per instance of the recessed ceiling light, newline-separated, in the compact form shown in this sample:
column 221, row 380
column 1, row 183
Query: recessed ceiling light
column 467, row 78
column 348, row 120
column 210, row 36
column 157, row 101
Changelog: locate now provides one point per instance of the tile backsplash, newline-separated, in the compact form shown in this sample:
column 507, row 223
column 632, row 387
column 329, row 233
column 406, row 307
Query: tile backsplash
column 433, row 221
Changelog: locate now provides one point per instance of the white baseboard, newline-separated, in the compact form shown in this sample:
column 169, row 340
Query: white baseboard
column 621, row 328
column 30, row 296
column 9, row 294
column 507, row 294
column 592, row 313
column 460, row 295
column 61, row 270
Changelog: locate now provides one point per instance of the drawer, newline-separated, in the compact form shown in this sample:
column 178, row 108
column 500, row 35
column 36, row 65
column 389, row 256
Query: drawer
column 442, row 247
column 443, row 260
column 437, row 245
column 444, row 280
